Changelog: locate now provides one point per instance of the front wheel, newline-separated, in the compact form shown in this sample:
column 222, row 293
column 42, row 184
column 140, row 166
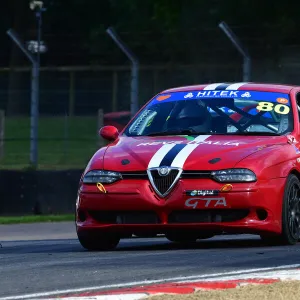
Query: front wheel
column 98, row 242
column 290, row 234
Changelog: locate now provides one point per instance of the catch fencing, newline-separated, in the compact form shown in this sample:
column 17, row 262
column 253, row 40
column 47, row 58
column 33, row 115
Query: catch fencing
column 71, row 97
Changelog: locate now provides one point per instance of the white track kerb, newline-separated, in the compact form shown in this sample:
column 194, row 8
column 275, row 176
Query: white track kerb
column 285, row 272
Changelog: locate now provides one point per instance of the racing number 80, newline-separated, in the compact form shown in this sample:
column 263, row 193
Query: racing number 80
column 268, row 106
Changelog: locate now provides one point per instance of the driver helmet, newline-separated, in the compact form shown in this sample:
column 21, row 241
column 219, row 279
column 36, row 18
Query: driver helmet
column 194, row 115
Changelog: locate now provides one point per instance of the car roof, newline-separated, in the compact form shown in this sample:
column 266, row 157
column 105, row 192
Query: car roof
column 240, row 86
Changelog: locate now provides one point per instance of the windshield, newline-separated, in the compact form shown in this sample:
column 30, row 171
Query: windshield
column 214, row 112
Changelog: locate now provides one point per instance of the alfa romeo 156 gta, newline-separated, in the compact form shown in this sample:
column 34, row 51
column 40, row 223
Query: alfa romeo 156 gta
column 194, row 162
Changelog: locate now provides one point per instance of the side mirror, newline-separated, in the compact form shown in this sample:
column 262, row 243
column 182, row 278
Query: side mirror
column 109, row 133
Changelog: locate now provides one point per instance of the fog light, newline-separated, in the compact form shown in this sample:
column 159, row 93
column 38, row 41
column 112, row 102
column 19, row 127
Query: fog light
column 261, row 214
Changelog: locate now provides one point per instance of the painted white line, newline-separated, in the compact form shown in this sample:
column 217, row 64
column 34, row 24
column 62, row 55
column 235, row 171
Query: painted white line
column 280, row 274
column 107, row 297
column 215, row 276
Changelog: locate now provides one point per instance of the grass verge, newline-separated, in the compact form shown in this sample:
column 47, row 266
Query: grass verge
column 36, row 219
column 277, row 291
column 64, row 143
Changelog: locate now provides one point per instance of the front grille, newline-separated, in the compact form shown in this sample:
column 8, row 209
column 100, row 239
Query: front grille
column 125, row 217
column 163, row 183
column 207, row 216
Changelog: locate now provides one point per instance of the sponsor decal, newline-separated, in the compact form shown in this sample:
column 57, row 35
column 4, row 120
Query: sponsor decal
column 269, row 106
column 247, row 95
column 217, row 94
column 223, row 93
column 163, row 97
column 282, row 100
column 183, row 143
column 201, row 192
column 206, row 202
column 101, row 188
column 189, row 95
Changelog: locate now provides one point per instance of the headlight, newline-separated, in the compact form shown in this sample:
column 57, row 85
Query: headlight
column 101, row 176
column 234, row 175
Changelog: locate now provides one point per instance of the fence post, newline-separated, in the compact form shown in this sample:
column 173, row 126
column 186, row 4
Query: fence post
column 100, row 124
column 234, row 39
column 72, row 94
column 115, row 91
column 134, row 105
column 2, row 125
column 34, row 113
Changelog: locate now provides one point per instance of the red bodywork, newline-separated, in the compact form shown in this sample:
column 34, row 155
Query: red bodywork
column 248, row 208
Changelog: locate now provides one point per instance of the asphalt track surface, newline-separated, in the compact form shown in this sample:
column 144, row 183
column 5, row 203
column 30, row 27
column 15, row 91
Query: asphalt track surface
column 47, row 257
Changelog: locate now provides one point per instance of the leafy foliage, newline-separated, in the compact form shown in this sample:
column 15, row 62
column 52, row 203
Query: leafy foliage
column 158, row 30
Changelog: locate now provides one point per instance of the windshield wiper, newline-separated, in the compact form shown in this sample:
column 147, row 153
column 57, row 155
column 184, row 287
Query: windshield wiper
column 254, row 133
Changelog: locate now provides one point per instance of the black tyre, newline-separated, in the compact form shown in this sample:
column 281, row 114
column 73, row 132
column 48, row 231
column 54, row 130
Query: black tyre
column 98, row 242
column 290, row 215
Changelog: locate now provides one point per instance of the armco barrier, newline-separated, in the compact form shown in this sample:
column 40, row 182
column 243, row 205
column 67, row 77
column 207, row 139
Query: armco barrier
column 38, row 192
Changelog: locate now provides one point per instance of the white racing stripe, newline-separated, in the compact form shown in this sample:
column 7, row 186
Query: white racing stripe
column 182, row 156
column 186, row 151
column 159, row 155
column 212, row 86
column 236, row 86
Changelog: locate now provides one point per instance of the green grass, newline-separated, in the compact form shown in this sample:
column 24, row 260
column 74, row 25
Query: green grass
column 36, row 219
column 64, row 143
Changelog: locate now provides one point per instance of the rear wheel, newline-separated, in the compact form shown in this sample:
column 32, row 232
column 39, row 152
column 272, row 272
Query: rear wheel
column 98, row 242
column 290, row 215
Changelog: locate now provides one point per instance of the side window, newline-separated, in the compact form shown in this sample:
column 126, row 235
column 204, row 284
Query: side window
column 298, row 104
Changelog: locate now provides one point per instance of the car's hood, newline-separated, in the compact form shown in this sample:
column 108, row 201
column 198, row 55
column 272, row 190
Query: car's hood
column 205, row 152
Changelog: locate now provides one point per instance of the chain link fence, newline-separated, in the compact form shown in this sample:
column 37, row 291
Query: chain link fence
column 71, row 97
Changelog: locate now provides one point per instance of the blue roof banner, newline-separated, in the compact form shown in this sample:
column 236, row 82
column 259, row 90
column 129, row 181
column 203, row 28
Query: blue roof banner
column 207, row 94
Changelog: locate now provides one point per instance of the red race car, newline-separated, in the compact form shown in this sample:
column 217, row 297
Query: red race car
column 195, row 162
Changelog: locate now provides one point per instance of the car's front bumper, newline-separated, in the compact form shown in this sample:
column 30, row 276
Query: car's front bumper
column 131, row 206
